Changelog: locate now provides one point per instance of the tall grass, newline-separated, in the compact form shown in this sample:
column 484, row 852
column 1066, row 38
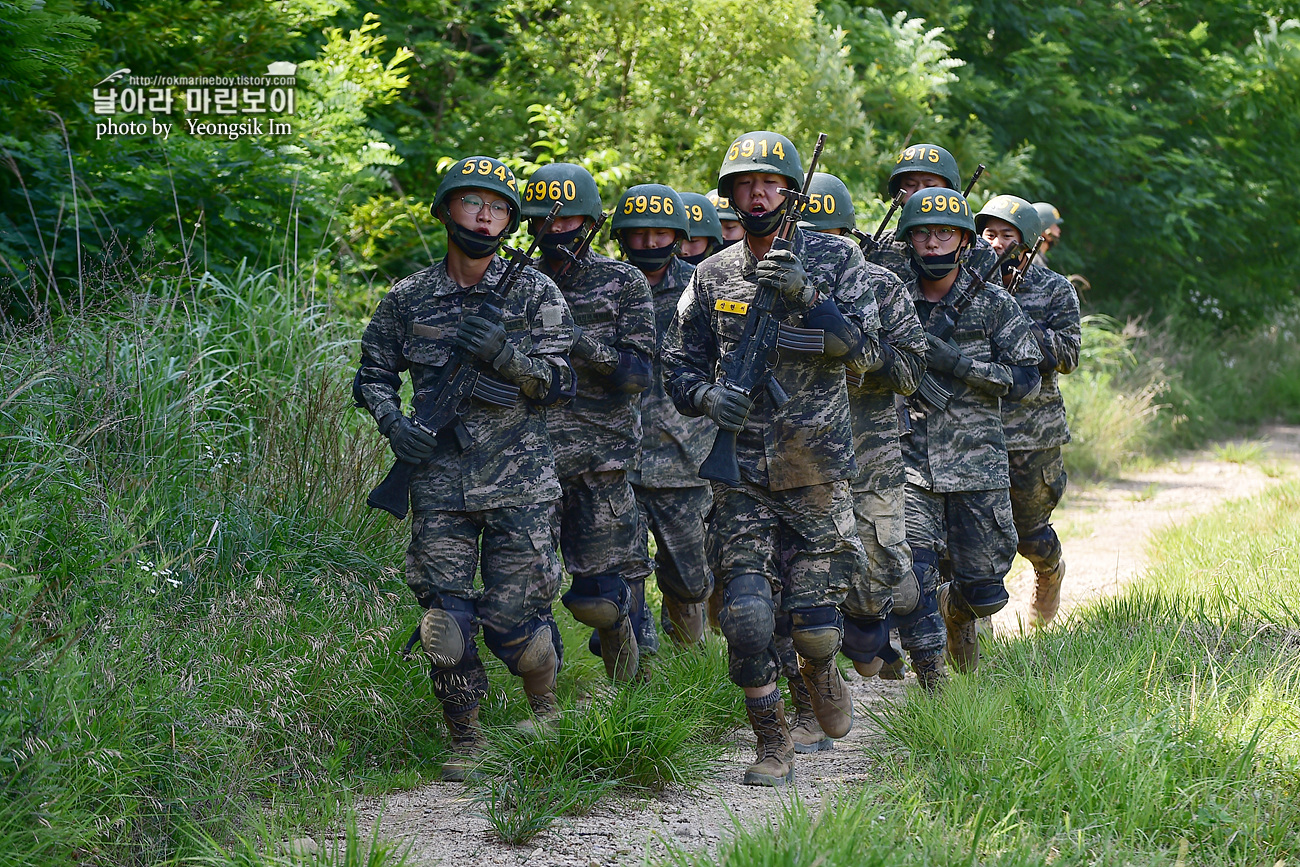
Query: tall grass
column 1159, row 726
column 198, row 611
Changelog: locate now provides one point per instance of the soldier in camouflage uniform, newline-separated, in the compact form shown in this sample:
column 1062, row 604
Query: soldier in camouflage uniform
column 979, row 351
column 732, row 231
column 705, row 230
column 922, row 167
column 482, row 502
column 1036, row 427
column 597, row 435
column 671, row 497
column 795, row 461
column 890, row 586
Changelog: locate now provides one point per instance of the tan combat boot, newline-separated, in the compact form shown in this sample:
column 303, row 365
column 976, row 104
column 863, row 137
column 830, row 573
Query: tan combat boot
column 466, row 745
column 683, row 621
column 931, row 674
column 806, row 733
column 831, row 702
column 963, row 634
column 537, row 666
column 618, row 649
column 775, row 749
column 1047, row 594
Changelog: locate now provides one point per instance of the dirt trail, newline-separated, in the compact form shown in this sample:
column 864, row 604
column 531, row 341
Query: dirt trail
column 1104, row 531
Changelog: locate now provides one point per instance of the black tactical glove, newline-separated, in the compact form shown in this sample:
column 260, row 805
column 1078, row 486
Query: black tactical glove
column 411, row 443
column 485, row 339
column 782, row 271
column 1048, row 364
column 946, row 358
column 727, row 408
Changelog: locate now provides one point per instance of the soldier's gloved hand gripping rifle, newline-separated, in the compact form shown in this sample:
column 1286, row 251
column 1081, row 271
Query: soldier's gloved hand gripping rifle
column 440, row 405
column 748, row 366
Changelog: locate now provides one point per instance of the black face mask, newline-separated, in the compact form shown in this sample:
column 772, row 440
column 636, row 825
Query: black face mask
column 650, row 261
column 761, row 225
column 472, row 244
column 700, row 257
column 556, row 244
column 935, row 267
column 725, row 244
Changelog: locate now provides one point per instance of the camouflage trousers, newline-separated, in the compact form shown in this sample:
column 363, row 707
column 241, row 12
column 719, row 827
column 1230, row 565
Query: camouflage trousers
column 803, row 542
column 882, row 529
column 1037, row 483
column 676, row 517
column 597, row 528
column 974, row 531
column 511, row 548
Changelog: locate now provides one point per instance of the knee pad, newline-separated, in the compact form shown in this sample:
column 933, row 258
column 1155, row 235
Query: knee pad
column 925, row 578
column 748, row 617
column 599, row 601
column 981, row 598
column 447, row 632
column 531, row 645
column 864, row 640
column 817, row 632
column 1042, row 548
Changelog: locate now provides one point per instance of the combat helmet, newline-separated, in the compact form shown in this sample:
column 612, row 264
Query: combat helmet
column 723, row 205
column 829, row 205
column 650, row 206
column 484, row 173
column 1048, row 216
column 703, row 217
column 1015, row 211
column 567, row 183
column 924, row 158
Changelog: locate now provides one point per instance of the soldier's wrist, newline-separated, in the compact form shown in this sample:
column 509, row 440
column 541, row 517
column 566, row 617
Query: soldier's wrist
column 387, row 422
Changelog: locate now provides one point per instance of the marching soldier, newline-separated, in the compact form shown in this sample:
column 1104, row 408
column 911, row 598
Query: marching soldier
column 482, row 502
column 786, row 528
column 922, row 167
column 979, row 351
column 650, row 222
column 597, row 435
column 1049, row 219
column 1036, row 427
column 889, row 585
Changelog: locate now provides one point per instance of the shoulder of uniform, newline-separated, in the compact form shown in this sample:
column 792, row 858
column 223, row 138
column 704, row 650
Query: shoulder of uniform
column 612, row 269
column 722, row 264
column 413, row 283
column 535, row 281
column 682, row 270
column 824, row 247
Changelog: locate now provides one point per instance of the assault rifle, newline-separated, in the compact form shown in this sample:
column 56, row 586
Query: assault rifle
column 440, row 405
column 748, row 367
column 571, row 260
column 943, row 322
column 1018, row 276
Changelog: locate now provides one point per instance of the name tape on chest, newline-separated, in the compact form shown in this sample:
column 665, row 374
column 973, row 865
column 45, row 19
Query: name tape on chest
column 722, row 305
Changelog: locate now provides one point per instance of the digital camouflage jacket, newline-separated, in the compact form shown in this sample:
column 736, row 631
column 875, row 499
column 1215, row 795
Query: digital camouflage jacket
column 1038, row 422
column 962, row 448
column 876, row 420
column 672, row 445
column 600, row 428
column 809, row 441
column 509, row 462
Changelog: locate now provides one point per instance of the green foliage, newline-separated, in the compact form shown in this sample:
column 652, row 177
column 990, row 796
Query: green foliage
column 199, row 614
column 1164, row 132
column 41, row 37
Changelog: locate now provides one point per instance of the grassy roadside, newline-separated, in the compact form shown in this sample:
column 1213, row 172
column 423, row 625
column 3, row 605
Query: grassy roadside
column 1157, row 727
